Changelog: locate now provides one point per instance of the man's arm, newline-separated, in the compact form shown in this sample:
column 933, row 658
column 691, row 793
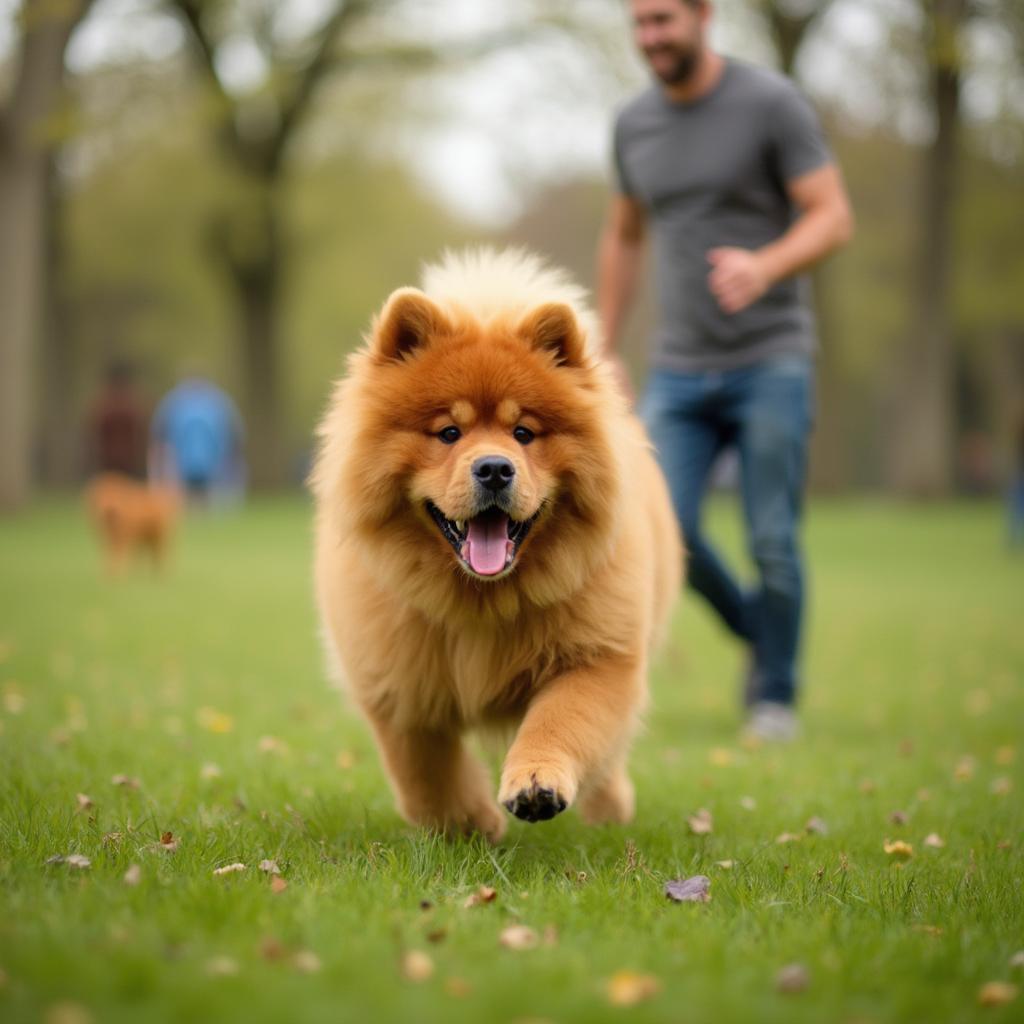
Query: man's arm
column 619, row 258
column 739, row 277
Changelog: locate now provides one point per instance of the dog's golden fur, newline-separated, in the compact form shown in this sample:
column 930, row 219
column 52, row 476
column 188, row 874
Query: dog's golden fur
column 130, row 516
column 556, row 643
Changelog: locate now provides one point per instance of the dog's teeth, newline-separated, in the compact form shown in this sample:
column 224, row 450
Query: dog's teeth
column 460, row 525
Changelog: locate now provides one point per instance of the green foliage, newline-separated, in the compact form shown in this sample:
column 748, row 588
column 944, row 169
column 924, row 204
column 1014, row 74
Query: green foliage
column 914, row 662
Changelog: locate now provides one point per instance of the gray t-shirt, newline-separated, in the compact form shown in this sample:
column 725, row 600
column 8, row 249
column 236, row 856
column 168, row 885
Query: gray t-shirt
column 713, row 173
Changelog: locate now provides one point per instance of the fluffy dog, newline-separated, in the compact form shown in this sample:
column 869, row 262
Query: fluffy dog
column 495, row 546
column 131, row 516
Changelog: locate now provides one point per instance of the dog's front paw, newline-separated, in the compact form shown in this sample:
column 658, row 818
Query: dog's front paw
column 536, row 795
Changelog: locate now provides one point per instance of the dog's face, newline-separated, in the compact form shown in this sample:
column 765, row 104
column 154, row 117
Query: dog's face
column 479, row 446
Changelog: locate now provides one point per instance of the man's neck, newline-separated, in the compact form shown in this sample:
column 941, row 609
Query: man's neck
column 706, row 75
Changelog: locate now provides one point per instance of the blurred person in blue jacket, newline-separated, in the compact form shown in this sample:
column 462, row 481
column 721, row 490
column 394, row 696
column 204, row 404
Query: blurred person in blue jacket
column 196, row 440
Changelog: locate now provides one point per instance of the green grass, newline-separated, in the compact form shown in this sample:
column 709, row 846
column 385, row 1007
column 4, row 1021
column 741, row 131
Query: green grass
column 915, row 661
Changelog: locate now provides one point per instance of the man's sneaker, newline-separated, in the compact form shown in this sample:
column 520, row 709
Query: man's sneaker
column 771, row 722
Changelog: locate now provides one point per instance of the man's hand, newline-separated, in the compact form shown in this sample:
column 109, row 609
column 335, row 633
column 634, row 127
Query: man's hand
column 738, row 278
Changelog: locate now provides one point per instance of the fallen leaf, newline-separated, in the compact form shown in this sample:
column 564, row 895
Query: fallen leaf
column 417, row 966
column 924, row 795
column 85, row 803
column 14, row 700
column 125, row 780
column 210, row 771
column 1017, row 960
column 133, row 875
column 997, row 993
column 930, row 929
column 278, row 884
column 816, row 826
column 229, row 869
column 934, row 840
column 345, row 760
column 792, row 978
column 627, row 988
column 76, row 860
column 221, row 967
column 964, row 768
column 899, row 818
column 1001, row 786
column 720, row 757
column 748, row 803
column 1004, row 844
column 700, row 823
column 518, row 937
column 867, row 786
column 272, row 745
column 457, row 987
column 214, row 721
column 689, row 890
column 270, row 867
column 898, row 849
column 725, row 865
column 168, row 842
column 272, row 949
column 788, row 837
column 436, row 935
column 1005, row 755
column 485, row 894
column 306, row 962
column 67, row 1013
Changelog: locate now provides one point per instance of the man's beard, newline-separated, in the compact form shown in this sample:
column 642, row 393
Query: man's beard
column 684, row 66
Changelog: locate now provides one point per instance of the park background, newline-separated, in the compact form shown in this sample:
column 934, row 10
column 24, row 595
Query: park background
column 237, row 185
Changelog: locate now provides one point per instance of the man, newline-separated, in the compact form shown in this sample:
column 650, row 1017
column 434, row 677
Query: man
column 727, row 164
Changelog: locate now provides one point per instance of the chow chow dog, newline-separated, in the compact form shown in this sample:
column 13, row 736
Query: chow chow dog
column 132, row 516
column 495, row 546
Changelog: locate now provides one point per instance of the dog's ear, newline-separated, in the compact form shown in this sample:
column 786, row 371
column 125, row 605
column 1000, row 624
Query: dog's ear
column 554, row 328
column 409, row 319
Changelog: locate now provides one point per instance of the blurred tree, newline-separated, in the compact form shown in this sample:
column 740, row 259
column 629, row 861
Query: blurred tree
column 25, row 141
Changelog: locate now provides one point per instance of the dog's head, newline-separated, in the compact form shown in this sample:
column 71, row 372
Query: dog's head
column 476, row 446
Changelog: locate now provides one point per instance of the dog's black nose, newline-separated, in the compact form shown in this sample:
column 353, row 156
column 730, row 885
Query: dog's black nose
column 494, row 472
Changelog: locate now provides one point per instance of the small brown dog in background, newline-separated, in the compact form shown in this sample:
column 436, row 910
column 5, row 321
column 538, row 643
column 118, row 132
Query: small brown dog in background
column 130, row 515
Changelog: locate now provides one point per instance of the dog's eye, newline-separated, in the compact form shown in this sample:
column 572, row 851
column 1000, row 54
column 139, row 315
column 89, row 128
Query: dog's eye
column 450, row 435
column 523, row 435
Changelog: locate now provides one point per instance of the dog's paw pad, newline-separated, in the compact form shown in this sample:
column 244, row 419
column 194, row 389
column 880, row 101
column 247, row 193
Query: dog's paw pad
column 536, row 803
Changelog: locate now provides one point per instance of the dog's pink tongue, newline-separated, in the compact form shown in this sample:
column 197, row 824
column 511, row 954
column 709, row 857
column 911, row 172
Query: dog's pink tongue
column 487, row 544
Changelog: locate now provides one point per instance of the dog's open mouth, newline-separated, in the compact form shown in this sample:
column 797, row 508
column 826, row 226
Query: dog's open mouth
column 489, row 542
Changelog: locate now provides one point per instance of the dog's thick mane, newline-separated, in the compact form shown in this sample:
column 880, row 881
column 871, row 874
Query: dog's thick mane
column 488, row 283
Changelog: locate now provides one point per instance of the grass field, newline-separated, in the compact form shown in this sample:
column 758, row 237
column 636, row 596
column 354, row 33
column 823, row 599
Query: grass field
column 206, row 688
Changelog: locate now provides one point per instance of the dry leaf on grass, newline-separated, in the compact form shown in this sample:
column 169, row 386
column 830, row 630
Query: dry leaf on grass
column 792, row 978
column 627, row 988
column 221, row 967
column 278, row 884
column 229, row 869
column 132, row 876
column 1001, row 786
column 210, row 771
column 457, row 987
column 306, row 962
column 484, row 894
column 345, row 760
column 270, row 867
column 67, row 1013
column 1005, row 755
column 128, row 781
column 417, row 966
column 72, row 860
column 518, row 937
column 701, row 823
column 964, row 768
column 85, row 803
column 933, row 930
column 934, row 840
column 899, row 818
column 725, row 865
column 816, row 826
column 272, row 745
column 168, row 842
column 1017, row 960
column 689, row 890
column 721, row 757
column 788, row 837
column 214, row 721
column 898, row 849
column 748, row 803
column 997, row 993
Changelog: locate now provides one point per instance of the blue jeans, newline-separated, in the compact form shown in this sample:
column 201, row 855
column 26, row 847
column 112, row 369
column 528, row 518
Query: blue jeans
column 766, row 412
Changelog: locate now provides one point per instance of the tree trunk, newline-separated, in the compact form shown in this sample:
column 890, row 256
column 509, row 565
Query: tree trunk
column 23, row 172
column 920, row 452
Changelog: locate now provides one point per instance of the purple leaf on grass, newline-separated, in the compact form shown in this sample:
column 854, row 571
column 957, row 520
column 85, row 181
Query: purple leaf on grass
column 689, row 890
